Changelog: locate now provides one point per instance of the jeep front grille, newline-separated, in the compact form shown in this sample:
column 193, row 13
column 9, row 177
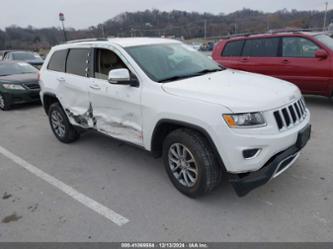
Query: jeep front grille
column 291, row 115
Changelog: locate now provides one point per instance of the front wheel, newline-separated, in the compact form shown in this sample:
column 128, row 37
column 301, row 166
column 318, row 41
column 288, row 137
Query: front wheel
column 61, row 126
column 190, row 163
column 4, row 103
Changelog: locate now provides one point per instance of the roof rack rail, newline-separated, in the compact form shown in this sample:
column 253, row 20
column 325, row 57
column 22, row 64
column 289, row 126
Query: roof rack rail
column 294, row 30
column 273, row 31
column 237, row 35
column 86, row 40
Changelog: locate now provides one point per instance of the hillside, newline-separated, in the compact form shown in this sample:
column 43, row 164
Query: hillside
column 175, row 23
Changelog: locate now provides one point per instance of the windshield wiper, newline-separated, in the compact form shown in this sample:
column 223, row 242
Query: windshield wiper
column 203, row 72
column 206, row 71
column 174, row 78
column 1, row 75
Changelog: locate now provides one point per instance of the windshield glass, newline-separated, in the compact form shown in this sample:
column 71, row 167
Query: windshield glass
column 23, row 56
column 168, row 62
column 16, row 68
column 328, row 41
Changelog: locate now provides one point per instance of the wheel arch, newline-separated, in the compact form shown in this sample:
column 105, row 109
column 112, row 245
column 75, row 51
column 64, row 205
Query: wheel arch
column 48, row 100
column 165, row 126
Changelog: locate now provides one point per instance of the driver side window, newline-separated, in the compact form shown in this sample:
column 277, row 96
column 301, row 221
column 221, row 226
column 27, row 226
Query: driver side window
column 105, row 61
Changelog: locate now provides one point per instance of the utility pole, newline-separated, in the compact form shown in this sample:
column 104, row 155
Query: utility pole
column 62, row 20
column 103, row 31
column 205, row 29
column 325, row 17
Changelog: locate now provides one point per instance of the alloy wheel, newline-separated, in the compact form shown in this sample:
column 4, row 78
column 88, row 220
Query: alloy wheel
column 58, row 124
column 183, row 165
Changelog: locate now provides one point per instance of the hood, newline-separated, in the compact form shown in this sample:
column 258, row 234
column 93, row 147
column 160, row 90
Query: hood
column 35, row 62
column 237, row 90
column 19, row 78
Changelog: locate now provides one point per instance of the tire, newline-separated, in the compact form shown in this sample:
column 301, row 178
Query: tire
column 60, row 125
column 198, row 156
column 4, row 103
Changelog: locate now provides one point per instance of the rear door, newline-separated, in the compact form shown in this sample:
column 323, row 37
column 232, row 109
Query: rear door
column 261, row 55
column 73, row 88
column 300, row 66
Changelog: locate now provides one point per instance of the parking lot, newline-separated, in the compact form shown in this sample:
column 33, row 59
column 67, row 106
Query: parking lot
column 101, row 178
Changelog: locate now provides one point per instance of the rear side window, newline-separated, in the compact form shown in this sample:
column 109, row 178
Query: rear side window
column 58, row 61
column 233, row 49
column 77, row 61
column 298, row 47
column 268, row 47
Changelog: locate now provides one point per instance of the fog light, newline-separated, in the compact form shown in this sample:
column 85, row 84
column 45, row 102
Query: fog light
column 251, row 153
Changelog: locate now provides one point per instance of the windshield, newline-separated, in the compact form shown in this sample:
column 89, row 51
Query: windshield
column 23, row 56
column 168, row 62
column 16, row 68
column 328, row 41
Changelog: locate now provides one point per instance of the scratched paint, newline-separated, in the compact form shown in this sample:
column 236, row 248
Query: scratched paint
column 121, row 128
column 85, row 120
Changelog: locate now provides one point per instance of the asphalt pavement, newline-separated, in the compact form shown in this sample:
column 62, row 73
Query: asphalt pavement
column 100, row 189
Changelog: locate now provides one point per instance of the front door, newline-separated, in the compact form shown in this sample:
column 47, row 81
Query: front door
column 300, row 66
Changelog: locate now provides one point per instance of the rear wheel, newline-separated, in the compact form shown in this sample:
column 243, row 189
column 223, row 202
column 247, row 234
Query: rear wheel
column 60, row 125
column 190, row 163
column 4, row 103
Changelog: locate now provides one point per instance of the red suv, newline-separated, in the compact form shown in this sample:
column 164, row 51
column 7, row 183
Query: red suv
column 305, row 59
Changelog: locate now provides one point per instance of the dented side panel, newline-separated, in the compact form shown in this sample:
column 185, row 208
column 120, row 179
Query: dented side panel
column 74, row 96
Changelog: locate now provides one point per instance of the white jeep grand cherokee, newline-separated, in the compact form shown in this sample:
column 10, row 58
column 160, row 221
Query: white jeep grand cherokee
column 167, row 98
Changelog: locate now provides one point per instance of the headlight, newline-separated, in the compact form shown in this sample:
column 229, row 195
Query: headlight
column 13, row 87
column 246, row 120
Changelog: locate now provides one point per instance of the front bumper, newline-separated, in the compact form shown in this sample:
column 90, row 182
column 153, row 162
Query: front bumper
column 20, row 97
column 245, row 183
column 231, row 143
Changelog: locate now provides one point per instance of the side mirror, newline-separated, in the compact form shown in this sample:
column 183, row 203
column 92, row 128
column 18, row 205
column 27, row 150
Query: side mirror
column 321, row 54
column 122, row 77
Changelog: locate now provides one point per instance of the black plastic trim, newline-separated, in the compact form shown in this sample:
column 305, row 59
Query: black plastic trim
column 190, row 126
column 245, row 183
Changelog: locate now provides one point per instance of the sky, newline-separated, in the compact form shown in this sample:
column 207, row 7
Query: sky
column 85, row 13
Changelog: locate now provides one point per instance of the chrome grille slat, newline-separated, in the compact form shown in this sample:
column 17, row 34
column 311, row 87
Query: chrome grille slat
column 298, row 111
column 303, row 105
column 290, row 115
column 293, row 113
column 298, row 117
column 301, row 109
column 282, row 117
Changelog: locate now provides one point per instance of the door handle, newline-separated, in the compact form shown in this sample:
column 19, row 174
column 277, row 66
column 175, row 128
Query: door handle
column 244, row 60
column 285, row 61
column 61, row 79
column 95, row 87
